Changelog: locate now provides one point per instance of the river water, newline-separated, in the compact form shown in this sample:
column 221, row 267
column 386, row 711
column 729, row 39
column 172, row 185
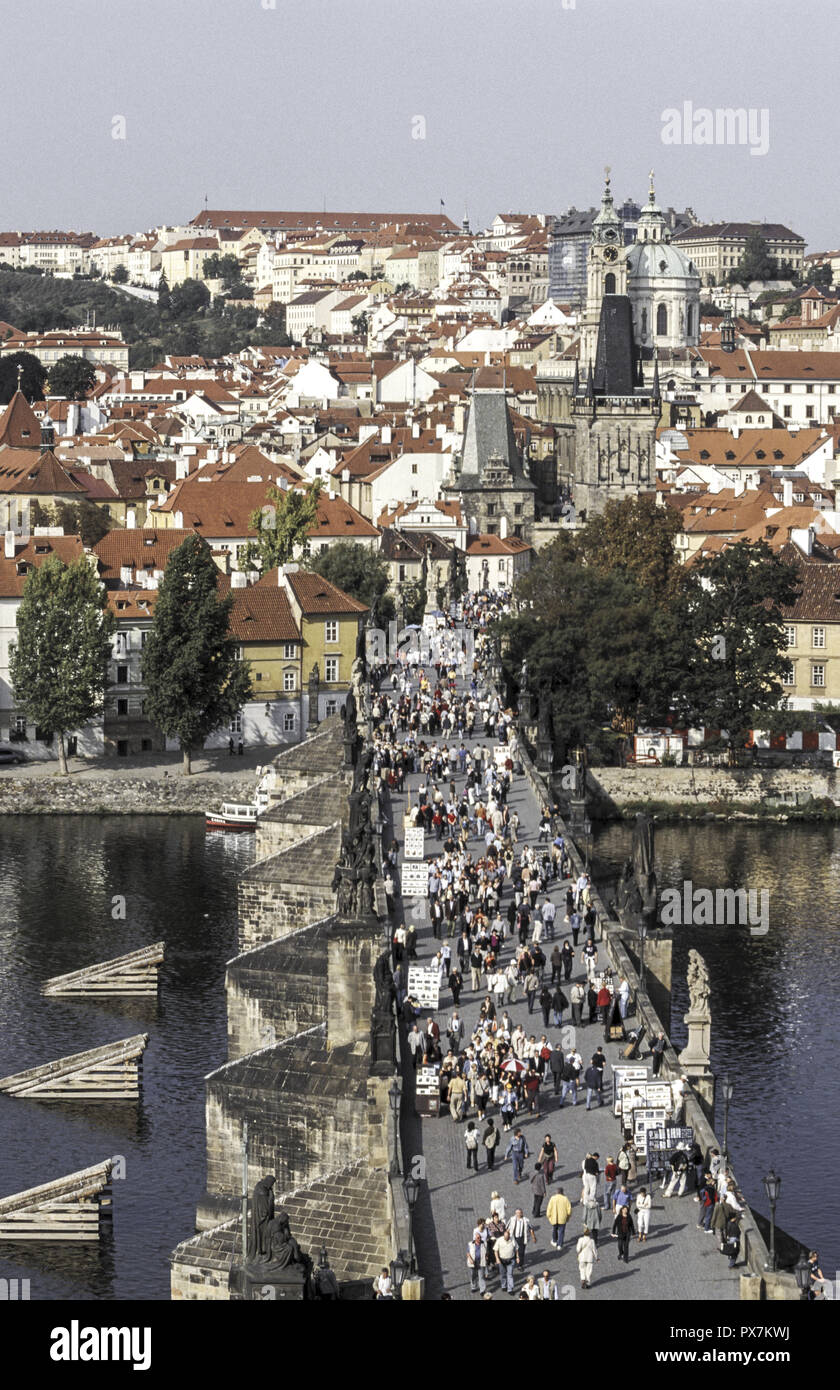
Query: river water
column 774, row 999
column 58, row 876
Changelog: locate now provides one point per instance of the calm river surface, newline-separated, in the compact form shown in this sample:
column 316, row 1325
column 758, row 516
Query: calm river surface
column 775, row 1015
column 58, row 875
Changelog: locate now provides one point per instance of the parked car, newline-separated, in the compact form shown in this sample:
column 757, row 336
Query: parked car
column 10, row 754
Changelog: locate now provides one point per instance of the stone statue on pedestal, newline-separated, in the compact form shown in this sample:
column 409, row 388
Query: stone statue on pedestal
column 696, row 1054
column 262, row 1214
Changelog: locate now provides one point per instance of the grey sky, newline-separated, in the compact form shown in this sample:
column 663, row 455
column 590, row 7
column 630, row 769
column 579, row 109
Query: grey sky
column 524, row 103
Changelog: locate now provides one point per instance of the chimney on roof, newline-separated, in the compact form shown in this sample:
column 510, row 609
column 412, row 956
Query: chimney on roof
column 238, row 580
column 385, row 434
column 126, row 575
column 787, row 492
column 415, row 430
column 138, row 380
column 9, row 545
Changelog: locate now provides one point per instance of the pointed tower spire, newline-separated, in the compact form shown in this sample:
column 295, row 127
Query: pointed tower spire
column 590, row 383
column 576, row 382
column 657, row 394
column 640, row 375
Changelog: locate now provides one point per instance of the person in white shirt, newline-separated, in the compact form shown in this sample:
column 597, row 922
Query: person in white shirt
column 643, row 1205
column 548, row 1287
column 497, row 1206
column 382, row 1285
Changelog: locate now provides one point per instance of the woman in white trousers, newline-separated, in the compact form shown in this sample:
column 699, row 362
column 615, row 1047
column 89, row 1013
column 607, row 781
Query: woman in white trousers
column 643, row 1203
column 587, row 1254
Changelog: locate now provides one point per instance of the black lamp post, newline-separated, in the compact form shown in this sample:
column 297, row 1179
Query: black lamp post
column 411, row 1190
column 802, row 1273
column 772, row 1186
column 587, row 834
column 399, row 1269
column 394, row 1098
column 727, row 1086
column 643, row 931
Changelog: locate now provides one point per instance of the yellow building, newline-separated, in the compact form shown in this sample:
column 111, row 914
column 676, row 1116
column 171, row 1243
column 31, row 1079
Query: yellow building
column 269, row 638
column 329, row 622
column 812, row 625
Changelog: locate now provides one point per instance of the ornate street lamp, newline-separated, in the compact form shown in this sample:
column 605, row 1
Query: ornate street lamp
column 399, row 1269
column 727, row 1087
column 411, row 1190
column 802, row 1273
column 394, row 1098
column 772, row 1186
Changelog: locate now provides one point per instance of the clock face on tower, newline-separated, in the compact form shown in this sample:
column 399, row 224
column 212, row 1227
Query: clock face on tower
column 610, row 253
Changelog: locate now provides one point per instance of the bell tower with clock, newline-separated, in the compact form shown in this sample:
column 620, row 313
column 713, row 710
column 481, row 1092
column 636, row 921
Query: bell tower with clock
column 606, row 270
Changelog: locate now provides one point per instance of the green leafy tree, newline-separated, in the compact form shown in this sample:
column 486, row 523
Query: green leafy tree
column 224, row 268
column 738, row 654
column 189, row 297
column 756, row 263
column 82, row 518
column 636, row 537
column 163, row 299
column 33, row 378
column 194, row 678
column 282, row 525
column 412, row 595
column 120, row 275
column 73, row 377
column 360, row 573
column 359, row 324
column 58, row 664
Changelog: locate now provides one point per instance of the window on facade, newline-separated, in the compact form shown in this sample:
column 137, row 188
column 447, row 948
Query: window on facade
column 414, row 468
column 331, row 669
column 288, row 723
column 609, row 284
column 122, row 706
column 790, row 636
column 818, row 637
column 121, row 643
column 517, row 509
column 491, row 508
column 331, row 707
column 236, row 723
column 662, row 320
column 122, row 675
column 288, row 680
column 818, row 675
column 288, row 651
column 789, row 674
column 787, row 412
column 809, row 412
column 331, row 631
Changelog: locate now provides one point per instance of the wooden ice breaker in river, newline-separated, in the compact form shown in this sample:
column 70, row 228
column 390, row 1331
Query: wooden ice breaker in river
column 108, row 1073
column 134, row 974
column 69, row 1208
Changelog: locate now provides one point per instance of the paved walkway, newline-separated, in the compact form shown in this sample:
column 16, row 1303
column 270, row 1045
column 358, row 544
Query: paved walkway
column 677, row 1262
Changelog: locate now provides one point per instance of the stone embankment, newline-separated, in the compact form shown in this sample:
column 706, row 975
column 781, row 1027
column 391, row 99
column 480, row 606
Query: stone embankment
column 755, row 793
column 119, row 795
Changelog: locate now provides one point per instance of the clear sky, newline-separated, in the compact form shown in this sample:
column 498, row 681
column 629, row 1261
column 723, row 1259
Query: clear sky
column 312, row 103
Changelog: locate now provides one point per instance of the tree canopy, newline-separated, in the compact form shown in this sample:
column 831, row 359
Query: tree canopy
column 59, row 662
column 193, row 676
column 756, row 263
column 73, row 377
column 617, row 633
column 33, row 378
column 360, row 573
column 282, row 525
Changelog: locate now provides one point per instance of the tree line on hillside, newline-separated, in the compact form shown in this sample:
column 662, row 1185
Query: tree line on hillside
column 182, row 323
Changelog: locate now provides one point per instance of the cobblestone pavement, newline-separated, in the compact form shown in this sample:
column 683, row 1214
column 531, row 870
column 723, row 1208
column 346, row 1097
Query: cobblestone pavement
column 677, row 1262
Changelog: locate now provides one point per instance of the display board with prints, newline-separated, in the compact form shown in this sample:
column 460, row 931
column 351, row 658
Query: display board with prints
column 661, row 1143
column 427, row 1092
column 414, row 880
column 623, row 1076
column 415, row 843
column 643, row 1122
column 424, row 986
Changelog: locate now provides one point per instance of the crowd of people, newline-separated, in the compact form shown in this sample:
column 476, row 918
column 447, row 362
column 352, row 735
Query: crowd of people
column 512, row 923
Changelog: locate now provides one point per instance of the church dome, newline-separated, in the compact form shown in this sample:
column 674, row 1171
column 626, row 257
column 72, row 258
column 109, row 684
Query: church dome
column 654, row 260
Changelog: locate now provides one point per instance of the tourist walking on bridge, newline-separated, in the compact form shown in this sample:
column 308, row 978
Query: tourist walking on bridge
column 587, row 1256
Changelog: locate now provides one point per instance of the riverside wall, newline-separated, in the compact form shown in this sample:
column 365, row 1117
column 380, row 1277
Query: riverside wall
column 614, row 791
column 119, row 795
